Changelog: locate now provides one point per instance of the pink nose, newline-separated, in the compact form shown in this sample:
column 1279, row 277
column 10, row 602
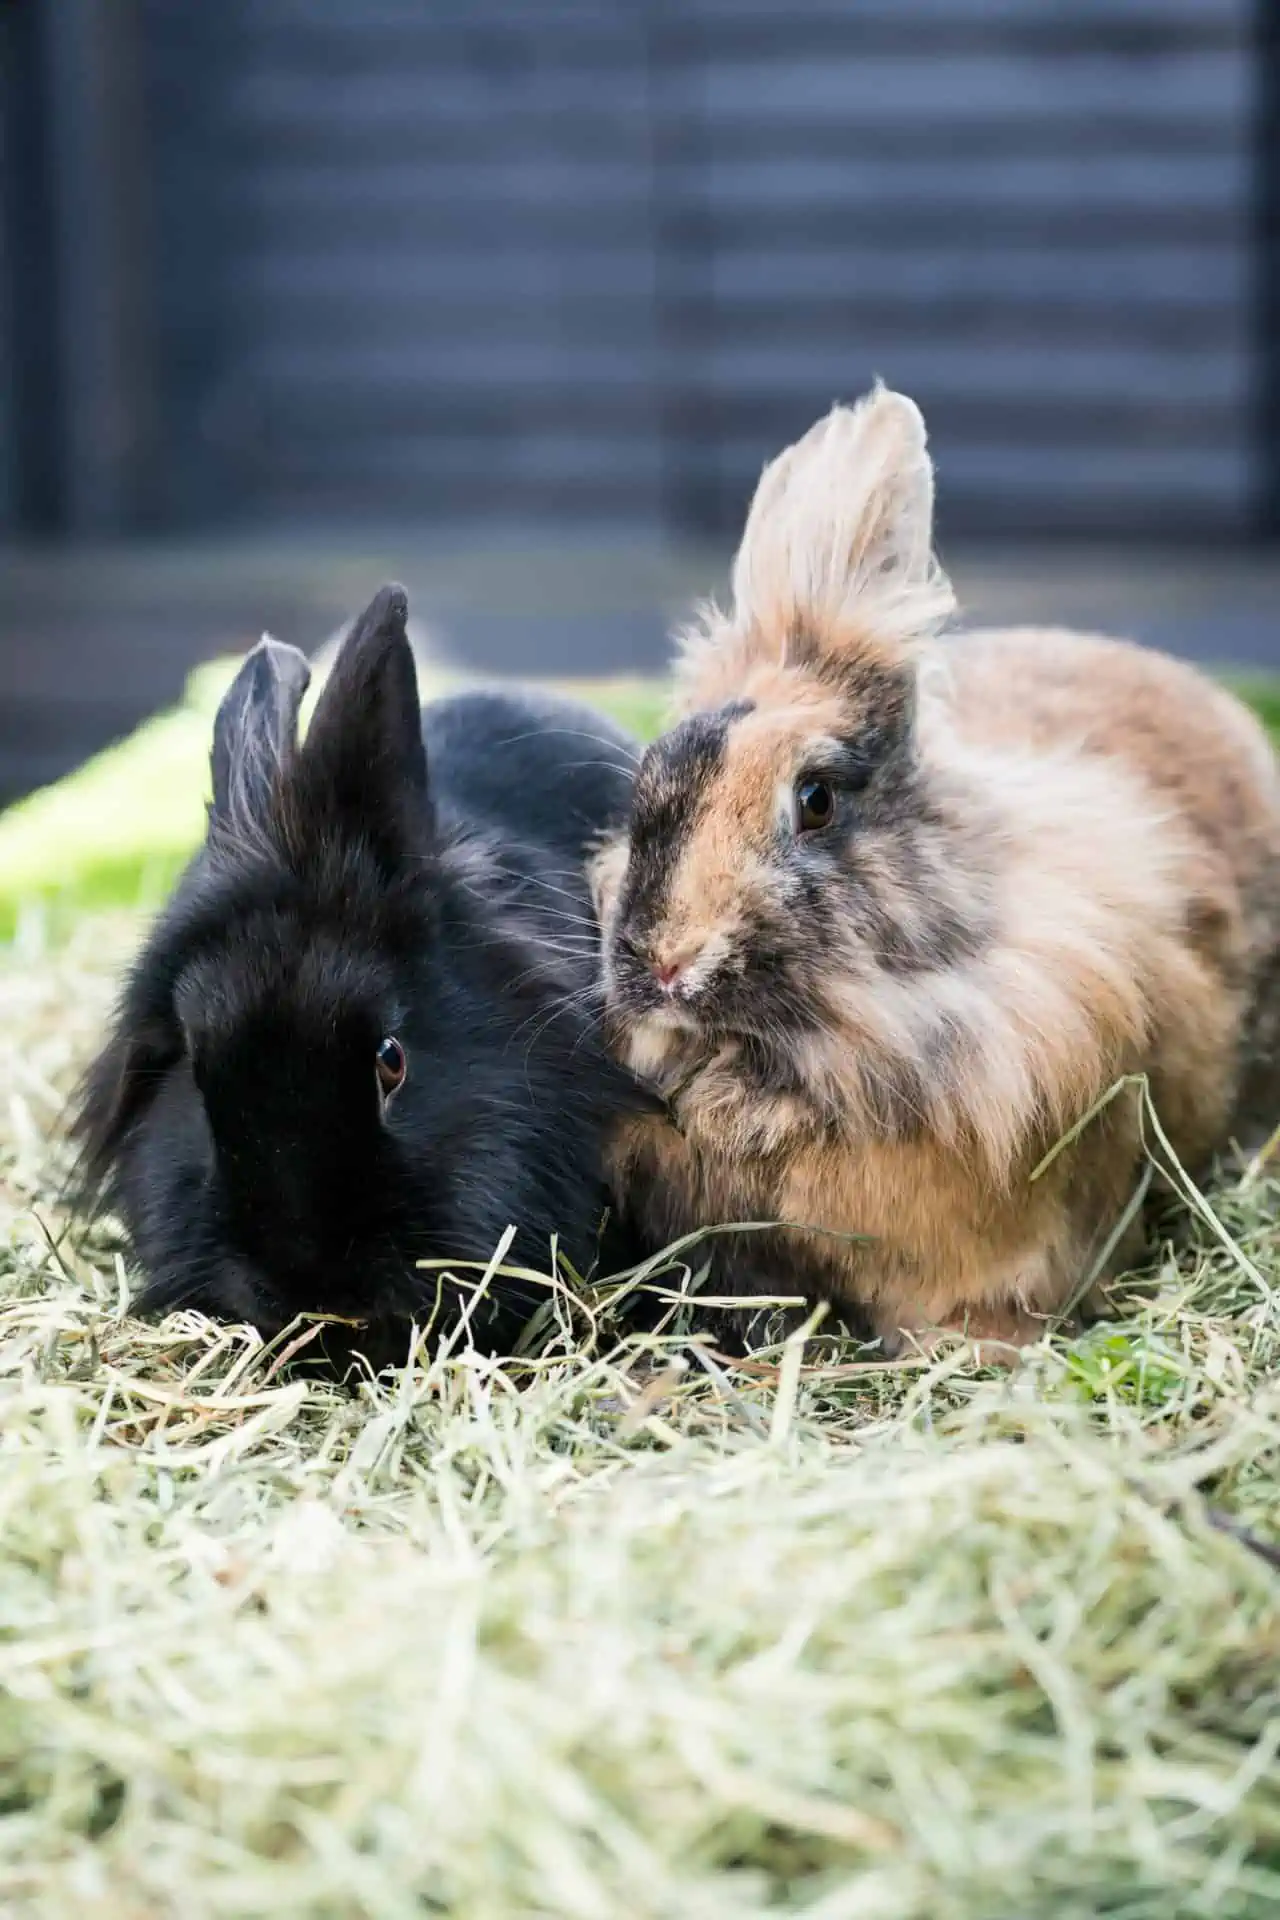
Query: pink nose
column 667, row 973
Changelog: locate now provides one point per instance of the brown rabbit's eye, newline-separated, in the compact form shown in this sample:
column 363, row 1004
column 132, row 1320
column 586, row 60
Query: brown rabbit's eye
column 815, row 805
column 392, row 1066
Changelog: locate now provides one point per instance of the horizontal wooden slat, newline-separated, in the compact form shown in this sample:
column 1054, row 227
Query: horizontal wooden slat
column 908, row 226
column 1105, row 473
column 469, row 497
column 302, row 212
column 812, row 187
column 824, row 328
column 1216, row 273
column 391, row 418
column 982, row 188
column 522, row 365
column 633, row 461
column 409, row 23
column 441, row 96
column 669, row 139
column 509, row 184
column 423, row 112
column 1194, row 18
column 1125, row 133
column 906, row 200
column 498, row 331
column 466, row 276
column 1198, row 85
column 425, row 324
column 573, row 24
column 785, row 279
column 1019, row 371
column 1143, row 28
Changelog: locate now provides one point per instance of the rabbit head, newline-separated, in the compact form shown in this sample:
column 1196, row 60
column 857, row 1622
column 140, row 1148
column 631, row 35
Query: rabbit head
column 790, row 861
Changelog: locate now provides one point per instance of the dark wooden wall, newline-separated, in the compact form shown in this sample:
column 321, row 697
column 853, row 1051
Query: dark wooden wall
column 436, row 255
column 416, row 258
column 1036, row 217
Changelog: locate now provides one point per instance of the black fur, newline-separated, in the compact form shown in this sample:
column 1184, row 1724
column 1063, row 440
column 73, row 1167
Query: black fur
column 234, row 1119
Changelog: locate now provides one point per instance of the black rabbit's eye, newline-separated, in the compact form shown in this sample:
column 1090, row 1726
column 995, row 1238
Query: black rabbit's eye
column 815, row 805
column 392, row 1066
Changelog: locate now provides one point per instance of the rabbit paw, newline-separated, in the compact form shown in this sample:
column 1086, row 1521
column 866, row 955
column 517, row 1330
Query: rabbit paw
column 996, row 1336
column 737, row 1118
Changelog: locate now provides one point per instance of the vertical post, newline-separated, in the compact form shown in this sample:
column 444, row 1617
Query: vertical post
column 28, row 360
column 8, row 286
column 96, row 158
column 1267, row 260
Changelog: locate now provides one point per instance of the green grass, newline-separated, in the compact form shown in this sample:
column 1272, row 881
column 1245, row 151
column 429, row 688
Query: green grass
column 1261, row 691
column 619, row 1631
column 119, row 830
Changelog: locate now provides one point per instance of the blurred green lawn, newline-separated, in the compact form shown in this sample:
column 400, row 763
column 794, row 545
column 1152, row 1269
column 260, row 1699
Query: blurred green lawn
column 118, row 830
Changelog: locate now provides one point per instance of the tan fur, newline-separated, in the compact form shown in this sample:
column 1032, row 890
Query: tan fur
column 725, row 863
column 1108, row 831
column 839, row 534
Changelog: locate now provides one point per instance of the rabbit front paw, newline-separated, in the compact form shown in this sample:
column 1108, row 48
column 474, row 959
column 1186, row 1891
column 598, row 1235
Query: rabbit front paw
column 735, row 1117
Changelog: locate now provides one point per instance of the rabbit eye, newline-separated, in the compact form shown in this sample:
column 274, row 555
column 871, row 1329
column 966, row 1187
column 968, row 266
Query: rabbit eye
column 392, row 1066
column 815, row 806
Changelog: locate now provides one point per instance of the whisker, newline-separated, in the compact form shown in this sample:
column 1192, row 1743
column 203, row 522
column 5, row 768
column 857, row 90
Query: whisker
column 575, row 733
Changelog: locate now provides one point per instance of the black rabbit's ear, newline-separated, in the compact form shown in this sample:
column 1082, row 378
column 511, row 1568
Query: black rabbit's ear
column 255, row 729
column 363, row 758
column 112, row 1094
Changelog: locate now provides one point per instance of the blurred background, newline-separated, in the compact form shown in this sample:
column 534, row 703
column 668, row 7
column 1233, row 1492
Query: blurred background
column 513, row 301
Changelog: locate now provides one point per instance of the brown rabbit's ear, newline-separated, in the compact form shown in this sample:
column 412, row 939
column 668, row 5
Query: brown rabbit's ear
column 255, row 729
column 840, row 533
column 606, row 870
column 363, row 761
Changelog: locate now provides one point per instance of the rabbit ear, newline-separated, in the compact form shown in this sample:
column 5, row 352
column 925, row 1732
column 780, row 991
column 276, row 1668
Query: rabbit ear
column 840, row 532
column 363, row 758
column 606, row 871
column 142, row 1042
column 254, row 730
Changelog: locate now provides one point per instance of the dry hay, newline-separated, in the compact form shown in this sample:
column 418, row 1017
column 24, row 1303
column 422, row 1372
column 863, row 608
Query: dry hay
column 616, row 1631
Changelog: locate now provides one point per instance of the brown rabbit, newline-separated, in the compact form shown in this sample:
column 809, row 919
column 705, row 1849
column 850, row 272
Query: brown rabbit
column 891, row 913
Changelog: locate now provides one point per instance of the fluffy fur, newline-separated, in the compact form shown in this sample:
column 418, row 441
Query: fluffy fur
column 234, row 1117
column 1053, row 860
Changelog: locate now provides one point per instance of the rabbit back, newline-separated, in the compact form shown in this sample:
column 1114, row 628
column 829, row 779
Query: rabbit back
column 1208, row 786
column 531, row 766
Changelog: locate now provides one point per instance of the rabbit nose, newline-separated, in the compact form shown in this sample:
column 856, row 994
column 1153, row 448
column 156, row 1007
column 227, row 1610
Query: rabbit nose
column 667, row 967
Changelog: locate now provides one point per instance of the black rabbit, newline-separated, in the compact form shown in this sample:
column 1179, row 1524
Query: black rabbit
column 364, row 1033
